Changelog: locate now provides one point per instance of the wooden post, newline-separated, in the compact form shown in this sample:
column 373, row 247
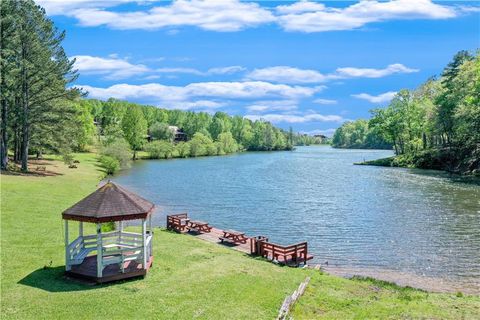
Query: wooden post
column 67, row 251
column 150, row 223
column 120, row 230
column 99, row 251
column 80, row 229
column 144, row 242
column 150, row 245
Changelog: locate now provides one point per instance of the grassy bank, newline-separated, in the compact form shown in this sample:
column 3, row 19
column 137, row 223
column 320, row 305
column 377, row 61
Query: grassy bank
column 190, row 278
column 432, row 160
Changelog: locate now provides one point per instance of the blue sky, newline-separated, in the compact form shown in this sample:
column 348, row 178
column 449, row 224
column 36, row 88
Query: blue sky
column 308, row 65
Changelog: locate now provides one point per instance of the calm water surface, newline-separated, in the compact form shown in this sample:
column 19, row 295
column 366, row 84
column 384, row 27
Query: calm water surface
column 420, row 223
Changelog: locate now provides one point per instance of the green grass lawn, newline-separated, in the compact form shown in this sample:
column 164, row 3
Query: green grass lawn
column 190, row 278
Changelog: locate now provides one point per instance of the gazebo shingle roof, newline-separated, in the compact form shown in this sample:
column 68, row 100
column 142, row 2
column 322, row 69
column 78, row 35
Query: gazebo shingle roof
column 109, row 203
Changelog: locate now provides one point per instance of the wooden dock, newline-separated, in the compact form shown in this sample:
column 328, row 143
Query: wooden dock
column 214, row 236
column 292, row 255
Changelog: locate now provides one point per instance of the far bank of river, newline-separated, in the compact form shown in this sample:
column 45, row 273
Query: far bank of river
column 401, row 221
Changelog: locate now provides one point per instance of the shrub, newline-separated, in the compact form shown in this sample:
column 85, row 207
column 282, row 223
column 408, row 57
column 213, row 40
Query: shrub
column 159, row 150
column 108, row 226
column 118, row 149
column 67, row 159
column 199, row 145
column 227, row 142
column 183, row 149
column 212, row 149
column 109, row 164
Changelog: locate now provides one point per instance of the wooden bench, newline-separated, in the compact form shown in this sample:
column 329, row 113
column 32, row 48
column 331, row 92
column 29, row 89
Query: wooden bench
column 178, row 222
column 199, row 226
column 295, row 254
column 233, row 236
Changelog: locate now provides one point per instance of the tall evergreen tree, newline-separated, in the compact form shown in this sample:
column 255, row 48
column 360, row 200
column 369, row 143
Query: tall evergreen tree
column 40, row 71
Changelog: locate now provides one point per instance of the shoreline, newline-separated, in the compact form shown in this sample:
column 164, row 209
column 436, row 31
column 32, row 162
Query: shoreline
column 395, row 162
column 395, row 277
column 407, row 279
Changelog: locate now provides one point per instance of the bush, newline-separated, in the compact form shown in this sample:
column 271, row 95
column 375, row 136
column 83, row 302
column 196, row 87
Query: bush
column 67, row 159
column 109, row 164
column 108, row 226
column 159, row 150
column 118, row 149
column 183, row 149
column 201, row 145
column 227, row 143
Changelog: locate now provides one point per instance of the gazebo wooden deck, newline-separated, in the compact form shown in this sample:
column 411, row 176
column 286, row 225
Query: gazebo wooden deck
column 109, row 256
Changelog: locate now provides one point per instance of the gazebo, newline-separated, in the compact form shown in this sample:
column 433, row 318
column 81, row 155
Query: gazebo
column 114, row 255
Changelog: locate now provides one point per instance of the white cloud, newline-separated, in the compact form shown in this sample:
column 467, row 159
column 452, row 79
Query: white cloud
column 65, row 7
column 312, row 17
column 325, row 101
column 225, row 15
column 293, row 118
column 350, row 72
column 272, row 105
column 234, row 15
column 381, row 98
column 111, row 68
column 286, row 74
column 223, row 90
column 300, row 7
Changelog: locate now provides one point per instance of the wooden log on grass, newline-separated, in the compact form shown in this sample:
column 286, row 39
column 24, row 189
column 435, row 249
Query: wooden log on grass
column 291, row 299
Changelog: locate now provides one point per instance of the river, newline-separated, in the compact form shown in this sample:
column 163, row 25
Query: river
column 414, row 227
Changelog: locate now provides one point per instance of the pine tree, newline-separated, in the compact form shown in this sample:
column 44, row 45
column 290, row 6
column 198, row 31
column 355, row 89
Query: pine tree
column 38, row 70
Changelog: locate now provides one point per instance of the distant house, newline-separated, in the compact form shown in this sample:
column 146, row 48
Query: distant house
column 179, row 134
column 320, row 139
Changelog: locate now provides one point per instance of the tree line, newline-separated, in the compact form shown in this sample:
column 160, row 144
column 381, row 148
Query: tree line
column 436, row 125
column 359, row 134
column 131, row 127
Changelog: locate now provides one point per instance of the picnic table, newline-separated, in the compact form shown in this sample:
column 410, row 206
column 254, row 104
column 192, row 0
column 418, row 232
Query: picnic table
column 199, row 226
column 234, row 236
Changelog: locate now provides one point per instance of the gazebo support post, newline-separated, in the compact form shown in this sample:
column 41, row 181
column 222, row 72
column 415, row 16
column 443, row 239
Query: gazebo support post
column 120, row 230
column 67, row 253
column 80, row 229
column 99, row 251
column 151, row 236
column 144, row 242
